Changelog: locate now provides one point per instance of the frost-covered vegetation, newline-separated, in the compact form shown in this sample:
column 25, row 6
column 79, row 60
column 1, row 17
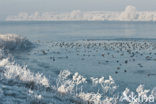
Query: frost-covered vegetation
column 13, row 41
column 129, row 14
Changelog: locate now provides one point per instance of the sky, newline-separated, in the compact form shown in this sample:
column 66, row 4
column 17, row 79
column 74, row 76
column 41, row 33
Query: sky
column 12, row 7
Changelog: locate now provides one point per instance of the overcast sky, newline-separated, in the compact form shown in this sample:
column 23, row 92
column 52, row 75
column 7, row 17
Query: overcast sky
column 11, row 7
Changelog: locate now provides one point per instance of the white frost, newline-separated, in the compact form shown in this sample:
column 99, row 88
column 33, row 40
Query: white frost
column 129, row 14
column 14, row 71
column 13, row 41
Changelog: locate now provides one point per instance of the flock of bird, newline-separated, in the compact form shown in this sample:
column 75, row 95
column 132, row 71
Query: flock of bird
column 121, row 52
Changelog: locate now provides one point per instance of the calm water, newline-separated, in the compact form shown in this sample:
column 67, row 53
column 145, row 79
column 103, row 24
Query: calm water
column 48, row 31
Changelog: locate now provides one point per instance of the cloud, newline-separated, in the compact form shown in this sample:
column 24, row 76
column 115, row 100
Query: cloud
column 129, row 14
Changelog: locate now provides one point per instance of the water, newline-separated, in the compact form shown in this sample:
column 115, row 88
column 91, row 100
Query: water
column 80, row 30
column 123, row 50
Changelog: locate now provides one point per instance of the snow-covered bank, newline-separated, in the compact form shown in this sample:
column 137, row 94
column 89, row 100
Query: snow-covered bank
column 129, row 14
column 20, row 85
